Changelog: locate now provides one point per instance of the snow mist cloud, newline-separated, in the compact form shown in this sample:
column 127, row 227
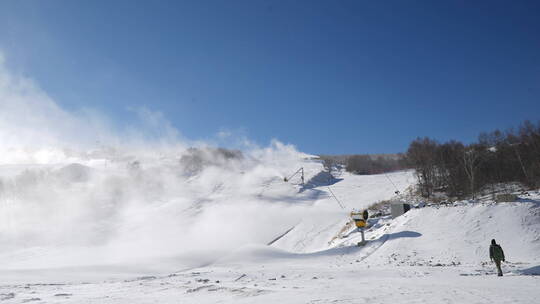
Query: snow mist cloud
column 80, row 192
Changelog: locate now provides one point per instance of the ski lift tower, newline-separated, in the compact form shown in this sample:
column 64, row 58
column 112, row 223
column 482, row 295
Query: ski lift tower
column 301, row 171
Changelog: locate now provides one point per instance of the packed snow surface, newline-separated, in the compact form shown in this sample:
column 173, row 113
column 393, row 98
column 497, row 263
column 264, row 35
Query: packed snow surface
column 193, row 226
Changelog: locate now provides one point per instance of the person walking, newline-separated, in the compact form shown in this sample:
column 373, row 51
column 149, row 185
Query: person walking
column 496, row 254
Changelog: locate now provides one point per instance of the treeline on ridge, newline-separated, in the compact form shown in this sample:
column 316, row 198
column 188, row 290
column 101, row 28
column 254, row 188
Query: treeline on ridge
column 365, row 164
column 461, row 170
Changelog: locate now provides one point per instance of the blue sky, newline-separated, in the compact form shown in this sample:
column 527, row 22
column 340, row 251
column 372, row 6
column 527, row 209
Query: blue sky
column 328, row 76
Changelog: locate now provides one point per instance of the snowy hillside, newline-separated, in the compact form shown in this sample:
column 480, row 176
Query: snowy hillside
column 321, row 224
column 192, row 226
column 116, row 207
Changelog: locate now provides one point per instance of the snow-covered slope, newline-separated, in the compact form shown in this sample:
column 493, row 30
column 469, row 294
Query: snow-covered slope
column 193, row 226
column 110, row 207
column 460, row 235
column 320, row 225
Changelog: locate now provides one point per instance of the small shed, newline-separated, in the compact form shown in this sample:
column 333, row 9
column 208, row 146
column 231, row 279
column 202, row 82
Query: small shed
column 398, row 208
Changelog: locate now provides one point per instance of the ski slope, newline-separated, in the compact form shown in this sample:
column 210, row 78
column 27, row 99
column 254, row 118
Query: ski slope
column 130, row 227
column 354, row 192
column 132, row 209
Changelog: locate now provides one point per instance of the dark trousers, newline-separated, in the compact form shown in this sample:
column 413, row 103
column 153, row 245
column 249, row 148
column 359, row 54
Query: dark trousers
column 498, row 264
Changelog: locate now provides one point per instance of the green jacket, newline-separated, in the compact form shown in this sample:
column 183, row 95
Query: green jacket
column 496, row 252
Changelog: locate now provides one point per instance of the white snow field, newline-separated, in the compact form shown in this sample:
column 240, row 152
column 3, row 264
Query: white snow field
column 192, row 226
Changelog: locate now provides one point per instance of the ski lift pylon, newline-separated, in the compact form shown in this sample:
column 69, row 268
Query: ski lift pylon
column 301, row 170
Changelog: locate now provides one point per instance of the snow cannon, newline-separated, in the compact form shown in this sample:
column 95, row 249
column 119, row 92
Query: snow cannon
column 360, row 218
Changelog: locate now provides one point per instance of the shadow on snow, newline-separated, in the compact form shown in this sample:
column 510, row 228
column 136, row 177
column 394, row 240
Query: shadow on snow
column 528, row 200
column 323, row 178
column 350, row 249
column 533, row 271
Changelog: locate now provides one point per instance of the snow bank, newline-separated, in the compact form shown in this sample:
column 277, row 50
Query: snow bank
column 462, row 235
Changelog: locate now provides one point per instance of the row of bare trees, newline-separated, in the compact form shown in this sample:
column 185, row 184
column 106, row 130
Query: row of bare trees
column 368, row 164
column 460, row 170
column 365, row 164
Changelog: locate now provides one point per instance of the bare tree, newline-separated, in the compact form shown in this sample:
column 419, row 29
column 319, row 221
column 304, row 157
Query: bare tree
column 422, row 154
column 471, row 160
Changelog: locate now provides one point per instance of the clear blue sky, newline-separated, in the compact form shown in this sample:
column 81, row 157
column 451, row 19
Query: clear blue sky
column 328, row 76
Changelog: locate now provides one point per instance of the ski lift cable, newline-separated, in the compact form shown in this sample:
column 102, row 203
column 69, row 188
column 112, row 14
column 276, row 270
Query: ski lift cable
column 387, row 177
column 335, row 197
